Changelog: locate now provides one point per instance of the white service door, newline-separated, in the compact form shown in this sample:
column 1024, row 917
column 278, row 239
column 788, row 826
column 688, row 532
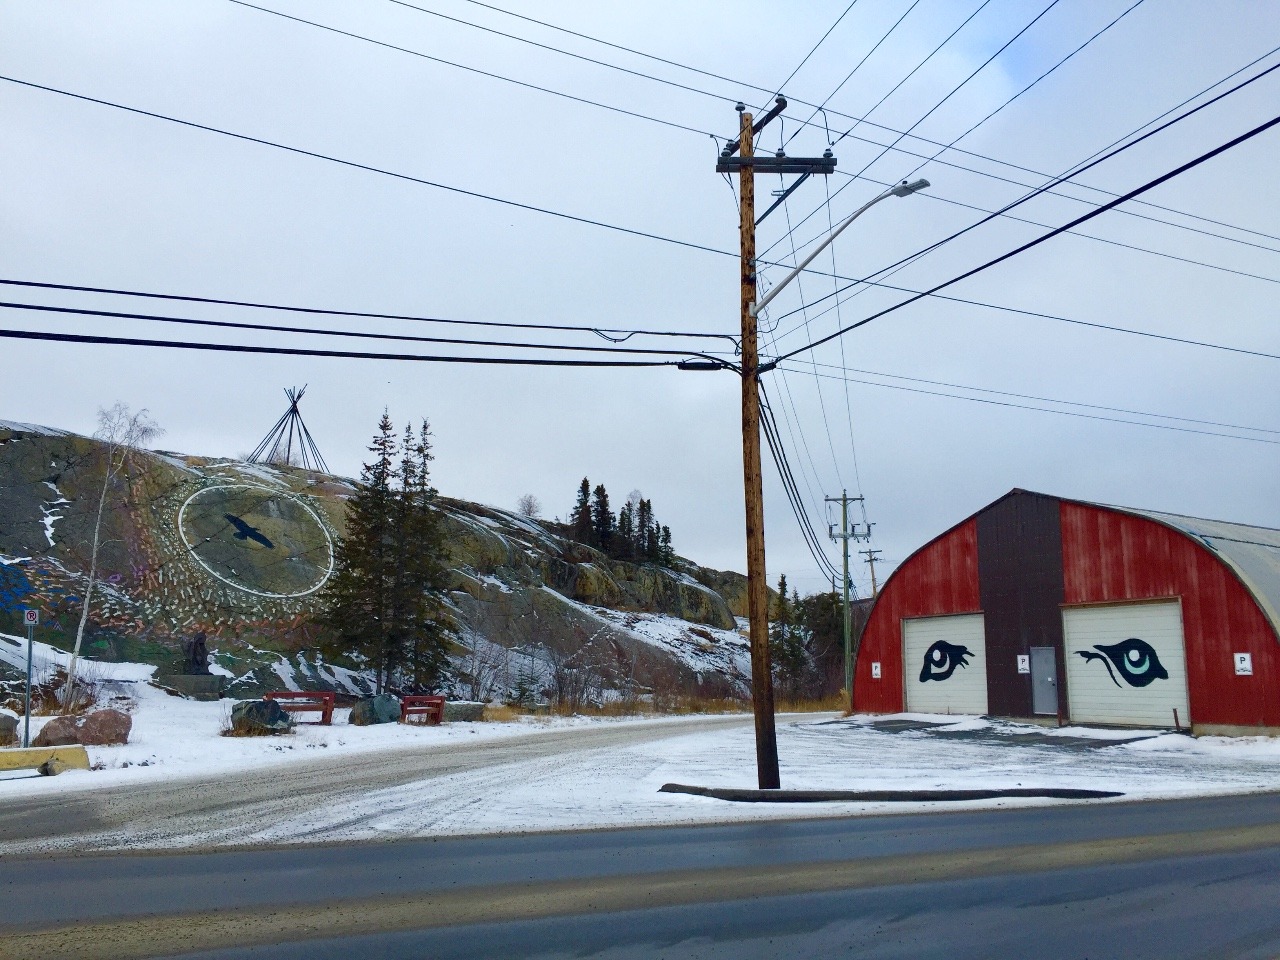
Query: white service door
column 1126, row 664
column 944, row 664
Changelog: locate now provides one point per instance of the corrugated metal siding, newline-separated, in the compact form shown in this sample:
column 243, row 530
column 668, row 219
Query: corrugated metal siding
column 940, row 578
column 1099, row 691
column 1020, row 577
column 1111, row 556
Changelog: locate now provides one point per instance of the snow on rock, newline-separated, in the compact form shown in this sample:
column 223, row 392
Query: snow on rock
column 33, row 428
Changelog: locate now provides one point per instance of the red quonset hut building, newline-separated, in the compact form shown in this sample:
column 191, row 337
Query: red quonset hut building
column 1043, row 607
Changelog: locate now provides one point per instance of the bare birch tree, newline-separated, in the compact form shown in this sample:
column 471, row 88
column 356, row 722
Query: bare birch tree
column 120, row 433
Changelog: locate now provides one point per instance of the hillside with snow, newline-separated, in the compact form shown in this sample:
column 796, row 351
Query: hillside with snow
column 241, row 552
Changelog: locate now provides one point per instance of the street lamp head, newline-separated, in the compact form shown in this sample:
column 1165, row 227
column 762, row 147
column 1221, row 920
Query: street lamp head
column 906, row 189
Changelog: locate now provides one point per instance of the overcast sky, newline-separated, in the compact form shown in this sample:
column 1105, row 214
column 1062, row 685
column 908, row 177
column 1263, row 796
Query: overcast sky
column 95, row 196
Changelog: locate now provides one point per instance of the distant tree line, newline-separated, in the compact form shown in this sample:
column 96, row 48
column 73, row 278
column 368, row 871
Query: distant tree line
column 632, row 534
column 806, row 641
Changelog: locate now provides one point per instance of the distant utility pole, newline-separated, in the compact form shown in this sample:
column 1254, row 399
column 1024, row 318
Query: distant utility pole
column 844, row 536
column 747, row 165
column 872, row 556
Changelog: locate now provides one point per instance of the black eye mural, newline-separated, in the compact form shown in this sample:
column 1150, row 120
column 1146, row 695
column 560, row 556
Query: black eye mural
column 1135, row 659
column 941, row 660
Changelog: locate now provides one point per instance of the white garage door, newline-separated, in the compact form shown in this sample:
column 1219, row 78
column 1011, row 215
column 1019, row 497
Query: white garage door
column 1125, row 664
column 944, row 663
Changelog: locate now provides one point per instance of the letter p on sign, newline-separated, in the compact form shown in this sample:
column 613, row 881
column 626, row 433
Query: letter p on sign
column 31, row 617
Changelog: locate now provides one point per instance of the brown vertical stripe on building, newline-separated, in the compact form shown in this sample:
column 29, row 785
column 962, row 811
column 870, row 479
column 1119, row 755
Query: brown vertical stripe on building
column 1021, row 588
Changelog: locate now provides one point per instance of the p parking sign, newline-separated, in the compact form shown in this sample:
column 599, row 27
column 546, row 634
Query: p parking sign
column 31, row 617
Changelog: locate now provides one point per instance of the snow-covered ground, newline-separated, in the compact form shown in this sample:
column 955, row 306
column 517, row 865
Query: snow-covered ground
column 175, row 738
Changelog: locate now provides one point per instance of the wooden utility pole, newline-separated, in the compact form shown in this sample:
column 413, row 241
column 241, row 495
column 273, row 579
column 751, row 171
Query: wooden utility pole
column 753, row 484
column 872, row 556
column 747, row 165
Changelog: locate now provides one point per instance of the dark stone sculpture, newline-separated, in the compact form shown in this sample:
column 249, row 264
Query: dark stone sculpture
column 196, row 657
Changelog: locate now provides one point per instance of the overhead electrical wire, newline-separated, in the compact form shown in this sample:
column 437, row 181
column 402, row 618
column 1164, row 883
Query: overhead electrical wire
column 858, row 66
column 475, row 70
column 368, row 168
column 814, row 49
column 800, row 102
column 1074, row 171
column 1030, row 396
column 1111, row 328
column 928, row 113
column 356, row 334
column 822, row 403
column 1149, row 185
column 410, row 178
column 608, row 333
column 894, row 89
column 307, row 352
column 1065, row 413
column 779, row 456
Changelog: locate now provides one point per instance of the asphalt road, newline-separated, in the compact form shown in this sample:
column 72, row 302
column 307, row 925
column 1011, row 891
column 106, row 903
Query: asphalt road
column 1173, row 879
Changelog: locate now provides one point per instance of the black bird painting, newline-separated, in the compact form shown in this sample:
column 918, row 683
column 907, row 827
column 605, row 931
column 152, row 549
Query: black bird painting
column 246, row 532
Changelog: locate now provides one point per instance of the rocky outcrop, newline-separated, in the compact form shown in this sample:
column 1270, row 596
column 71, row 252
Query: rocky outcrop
column 517, row 582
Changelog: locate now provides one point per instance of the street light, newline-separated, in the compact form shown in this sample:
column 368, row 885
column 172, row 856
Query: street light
column 903, row 189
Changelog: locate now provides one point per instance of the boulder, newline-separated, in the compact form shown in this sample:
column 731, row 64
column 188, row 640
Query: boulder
column 463, row 711
column 52, row 767
column 8, row 730
column 384, row 708
column 104, row 727
column 259, row 718
column 58, row 732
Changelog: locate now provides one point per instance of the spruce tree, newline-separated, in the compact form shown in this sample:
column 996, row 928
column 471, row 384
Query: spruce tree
column 426, row 570
column 666, row 555
column 602, row 519
column 357, row 594
column 625, row 540
column 644, row 531
column 385, row 600
column 786, row 646
column 581, row 527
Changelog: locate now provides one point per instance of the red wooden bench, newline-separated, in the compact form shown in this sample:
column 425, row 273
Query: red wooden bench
column 431, row 709
column 300, row 701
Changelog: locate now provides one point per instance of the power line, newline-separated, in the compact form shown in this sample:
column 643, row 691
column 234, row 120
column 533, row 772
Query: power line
column 800, row 102
column 1149, row 185
column 814, row 49
column 1073, row 172
column 819, row 108
column 779, row 456
column 1050, row 316
column 474, row 70
column 934, row 195
column 307, row 352
column 607, row 333
column 954, row 90
column 318, row 331
column 368, row 168
column 1070, row 403
column 1065, row 413
column 1070, row 173
column 911, row 73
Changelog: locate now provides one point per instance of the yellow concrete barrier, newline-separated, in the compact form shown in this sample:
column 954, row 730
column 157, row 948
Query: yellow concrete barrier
column 31, row 758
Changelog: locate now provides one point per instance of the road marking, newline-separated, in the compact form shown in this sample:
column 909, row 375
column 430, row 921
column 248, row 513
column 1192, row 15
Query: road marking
column 154, row 936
